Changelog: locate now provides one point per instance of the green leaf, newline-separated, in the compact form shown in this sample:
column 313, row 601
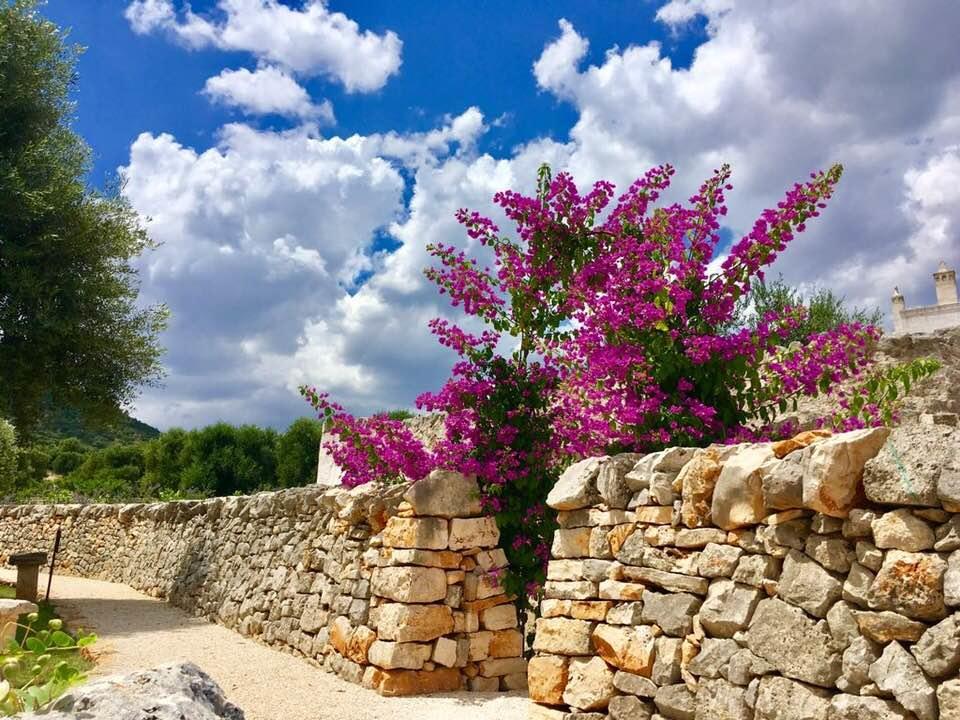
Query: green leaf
column 35, row 644
column 61, row 639
column 86, row 640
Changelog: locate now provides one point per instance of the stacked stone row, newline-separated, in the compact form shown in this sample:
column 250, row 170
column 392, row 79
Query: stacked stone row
column 747, row 582
column 440, row 618
column 386, row 585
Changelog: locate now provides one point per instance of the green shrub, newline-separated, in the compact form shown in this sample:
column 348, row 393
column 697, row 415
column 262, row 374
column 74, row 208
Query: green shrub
column 297, row 451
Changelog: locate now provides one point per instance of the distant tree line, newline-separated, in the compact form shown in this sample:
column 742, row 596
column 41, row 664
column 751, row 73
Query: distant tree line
column 219, row 459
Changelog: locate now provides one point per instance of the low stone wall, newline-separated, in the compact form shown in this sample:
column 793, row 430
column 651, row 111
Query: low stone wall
column 755, row 582
column 392, row 587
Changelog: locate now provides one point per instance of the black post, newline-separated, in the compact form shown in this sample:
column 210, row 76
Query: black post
column 53, row 560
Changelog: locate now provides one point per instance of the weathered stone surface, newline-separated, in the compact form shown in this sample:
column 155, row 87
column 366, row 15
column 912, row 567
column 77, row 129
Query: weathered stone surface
column 695, row 538
column 634, row 684
column 571, row 542
column 655, row 514
column 426, row 533
column 869, row 555
column 728, row 608
column 410, row 584
column 938, row 650
column 756, row 570
column 911, row 584
column 902, row 530
column 857, row 659
column 428, row 558
column 611, row 481
column 781, row 699
column 666, row 664
column 744, row 666
column 781, row 482
column 887, row 626
column 672, row 560
column 842, row 624
column 721, row 700
column 628, row 613
column 628, row 707
column 579, row 590
column 951, row 580
column 906, row 470
column 413, row 623
column 676, row 702
column 806, row 584
column 445, row 494
column 790, row 641
column 546, row 679
column 170, row 692
column 629, row 649
column 673, row 613
column 616, row 590
column 718, row 560
column 897, row 672
column 499, row 617
column 948, row 697
column 835, row 467
column 589, row 684
column 856, row 588
column 738, row 495
column 858, row 523
column 714, row 655
column 468, row 533
column 563, row 636
column 674, row 582
column 394, row 683
column 834, row 554
column 577, row 486
column 394, row 655
column 697, row 480
column 852, row 707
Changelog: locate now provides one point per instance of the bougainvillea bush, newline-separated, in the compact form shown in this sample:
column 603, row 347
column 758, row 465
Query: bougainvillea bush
column 605, row 330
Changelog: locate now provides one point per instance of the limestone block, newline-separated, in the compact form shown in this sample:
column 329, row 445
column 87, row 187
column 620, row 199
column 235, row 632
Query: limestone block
column 697, row 479
column 744, row 666
column 902, row 530
column 718, row 560
column 887, row 626
column 781, row 482
column 897, row 672
column 869, row 555
column 781, row 699
column 672, row 612
column 468, row 533
column 906, row 469
column 713, row 657
column 697, row 538
column 948, row 697
column 445, row 494
column 415, row 682
column 938, row 650
column 673, row 582
column 616, row 590
column 498, row 667
column 425, row 533
column 835, row 554
column 571, row 543
column 857, row 659
column 951, row 580
column 499, row 617
column 628, row 707
column 798, row 647
column 445, row 652
column 667, row 663
column 565, row 570
column 611, row 480
column 478, row 645
column 856, row 588
column 410, row 584
column 577, row 486
column 589, row 684
column 579, row 590
column 633, row 684
column 756, row 570
column 413, row 623
column 728, row 608
column 842, row 624
column 835, row 468
column 628, row 613
column 852, row 707
column 547, row 678
column 414, row 556
column 629, row 649
column 911, row 584
column 394, row 655
column 563, row 636
column 721, row 700
column 738, row 495
column 806, row 584
column 676, row 702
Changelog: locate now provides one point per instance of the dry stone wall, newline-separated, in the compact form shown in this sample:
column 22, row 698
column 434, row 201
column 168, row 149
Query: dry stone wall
column 812, row 579
column 390, row 586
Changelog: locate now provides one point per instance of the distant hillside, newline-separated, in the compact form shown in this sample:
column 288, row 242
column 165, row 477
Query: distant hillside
column 66, row 422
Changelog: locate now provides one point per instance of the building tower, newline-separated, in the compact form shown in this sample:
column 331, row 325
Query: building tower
column 898, row 305
column 945, row 280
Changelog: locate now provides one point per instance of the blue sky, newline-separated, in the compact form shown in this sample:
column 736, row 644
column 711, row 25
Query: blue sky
column 293, row 159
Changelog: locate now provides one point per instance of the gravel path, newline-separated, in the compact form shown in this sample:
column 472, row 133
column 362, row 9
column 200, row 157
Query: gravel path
column 138, row 632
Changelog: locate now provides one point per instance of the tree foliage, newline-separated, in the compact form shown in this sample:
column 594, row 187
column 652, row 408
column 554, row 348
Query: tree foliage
column 70, row 328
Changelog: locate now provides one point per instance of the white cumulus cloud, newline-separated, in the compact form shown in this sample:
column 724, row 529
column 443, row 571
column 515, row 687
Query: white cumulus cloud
column 264, row 91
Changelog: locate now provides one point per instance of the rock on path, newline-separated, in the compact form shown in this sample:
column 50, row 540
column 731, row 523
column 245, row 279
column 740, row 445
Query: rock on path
column 138, row 632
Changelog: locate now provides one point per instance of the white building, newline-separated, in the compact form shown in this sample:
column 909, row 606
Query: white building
column 945, row 314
